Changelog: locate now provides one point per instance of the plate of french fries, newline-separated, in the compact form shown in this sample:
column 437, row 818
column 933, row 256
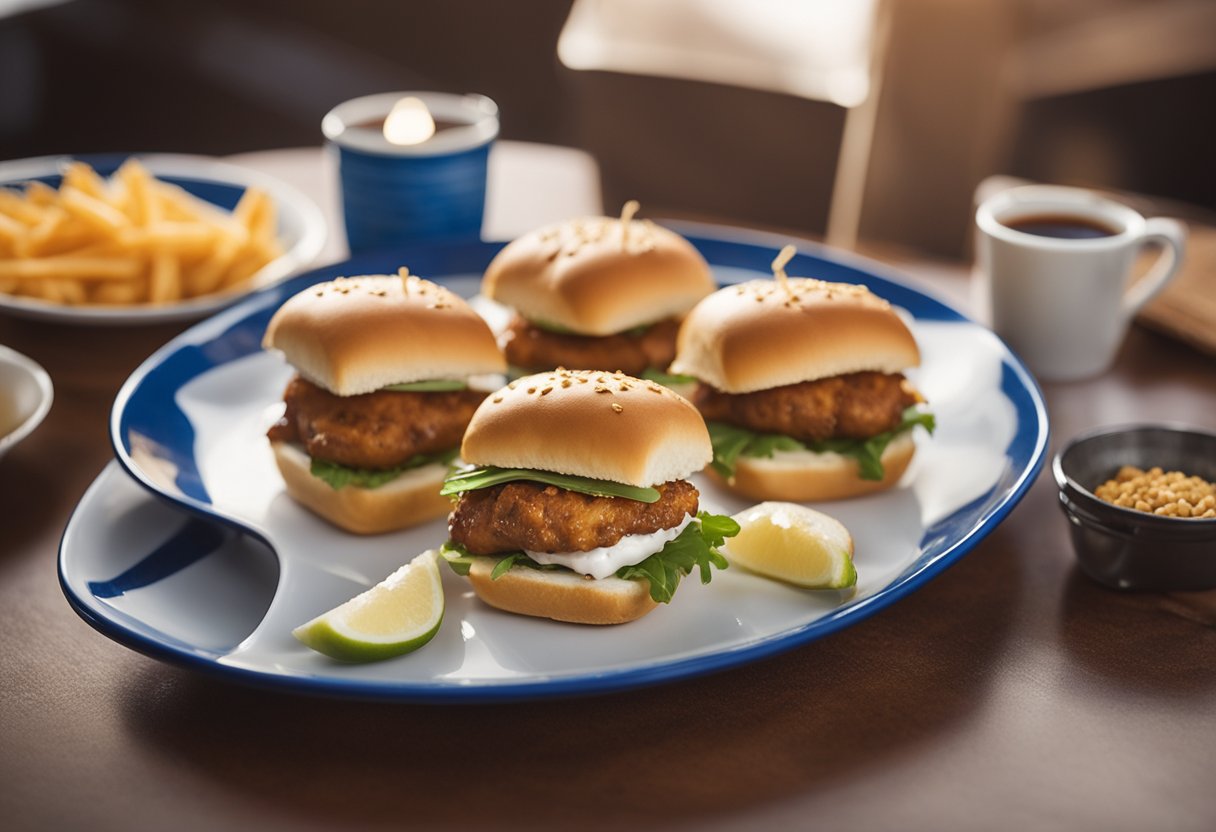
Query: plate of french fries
column 151, row 238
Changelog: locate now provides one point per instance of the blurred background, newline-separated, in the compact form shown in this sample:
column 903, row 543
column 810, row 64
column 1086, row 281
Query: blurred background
column 861, row 120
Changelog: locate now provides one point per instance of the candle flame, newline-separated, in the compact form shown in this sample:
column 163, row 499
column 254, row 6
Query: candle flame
column 409, row 122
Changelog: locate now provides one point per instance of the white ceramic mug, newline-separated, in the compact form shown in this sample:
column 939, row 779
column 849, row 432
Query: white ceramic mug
column 1064, row 304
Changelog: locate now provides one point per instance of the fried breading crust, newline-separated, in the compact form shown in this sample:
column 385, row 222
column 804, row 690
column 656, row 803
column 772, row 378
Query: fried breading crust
column 533, row 348
column 544, row 518
column 374, row 430
column 853, row 406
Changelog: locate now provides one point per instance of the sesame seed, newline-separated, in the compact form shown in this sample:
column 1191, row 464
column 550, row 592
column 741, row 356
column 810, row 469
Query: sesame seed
column 546, row 391
column 617, row 407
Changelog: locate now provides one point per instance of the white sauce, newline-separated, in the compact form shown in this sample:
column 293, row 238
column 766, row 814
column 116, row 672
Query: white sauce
column 606, row 560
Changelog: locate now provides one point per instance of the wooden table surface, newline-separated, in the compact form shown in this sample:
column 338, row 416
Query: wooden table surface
column 1009, row 693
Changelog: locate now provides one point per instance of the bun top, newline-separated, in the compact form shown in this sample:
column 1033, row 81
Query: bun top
column 608, row 426
column 757, row 335
column 599, row 275
column 355, row 335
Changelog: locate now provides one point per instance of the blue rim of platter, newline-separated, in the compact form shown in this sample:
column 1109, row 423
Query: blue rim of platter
column 146, row 404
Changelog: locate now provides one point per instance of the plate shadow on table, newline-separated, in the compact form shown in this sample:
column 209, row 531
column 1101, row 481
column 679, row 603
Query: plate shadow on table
column 792, row 725
column 24, row 484
column 1164, row 641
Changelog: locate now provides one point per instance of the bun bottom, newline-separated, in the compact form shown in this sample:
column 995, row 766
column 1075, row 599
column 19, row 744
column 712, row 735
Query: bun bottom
column 807, row 477
column 561, row 595
column 408, row 500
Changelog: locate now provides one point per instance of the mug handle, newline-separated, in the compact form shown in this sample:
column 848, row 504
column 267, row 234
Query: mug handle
column 1172, row 235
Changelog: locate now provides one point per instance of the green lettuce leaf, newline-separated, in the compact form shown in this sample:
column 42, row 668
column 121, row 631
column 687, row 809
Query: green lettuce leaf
column 730, row 442
column 667, row 379
column 695, row 548
column 461, row 560
column 561, row 329
column 556, row 329
column 435, row 385
column 476, row 478
column 339, row 476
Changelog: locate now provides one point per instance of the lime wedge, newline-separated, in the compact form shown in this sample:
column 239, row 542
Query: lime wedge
column 397, row 615
column 795, row 544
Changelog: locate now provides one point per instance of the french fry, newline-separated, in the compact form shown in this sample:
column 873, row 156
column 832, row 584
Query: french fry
column 121, row 292
column 182, row 205
column 13, row 204
column 70, row 291
column 40, row 193
column 242, row 268
column 169, row 235
column 70, row 237
column 143, row 207
column 11, row 229
column 164, row 281
column 72, row 266
column 248, row 209
column 52, row 218
column 83, row 178
column 93, row 211
column 207, row 276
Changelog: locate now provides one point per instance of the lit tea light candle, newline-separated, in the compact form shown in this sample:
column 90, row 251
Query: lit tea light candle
column 409, row 122
column 412, row 165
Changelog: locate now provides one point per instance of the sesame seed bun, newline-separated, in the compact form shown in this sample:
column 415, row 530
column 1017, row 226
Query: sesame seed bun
column 359, row 334
column 608, row 426
column 755, row 335
column 581, row 275
column 409, row 499
column 561, row 595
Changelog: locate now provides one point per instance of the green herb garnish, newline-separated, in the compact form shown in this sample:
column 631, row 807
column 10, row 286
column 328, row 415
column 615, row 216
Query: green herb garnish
column 695, row 548
column 731, row 442
column 477, row 478
column 339, row 476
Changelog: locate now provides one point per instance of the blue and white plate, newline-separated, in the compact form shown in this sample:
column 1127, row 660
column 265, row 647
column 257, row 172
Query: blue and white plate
column 302, row 231
column 216, row 573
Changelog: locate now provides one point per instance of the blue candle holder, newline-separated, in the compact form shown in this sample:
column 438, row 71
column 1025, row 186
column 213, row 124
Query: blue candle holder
column 395, row 193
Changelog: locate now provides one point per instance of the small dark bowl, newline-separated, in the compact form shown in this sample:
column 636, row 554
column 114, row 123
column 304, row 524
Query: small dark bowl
column 1128, row 549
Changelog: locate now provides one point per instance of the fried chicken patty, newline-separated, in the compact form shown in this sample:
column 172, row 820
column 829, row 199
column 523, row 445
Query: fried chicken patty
column 853, row 406
column 545, row 518
column 374, row 430
column 533, row 348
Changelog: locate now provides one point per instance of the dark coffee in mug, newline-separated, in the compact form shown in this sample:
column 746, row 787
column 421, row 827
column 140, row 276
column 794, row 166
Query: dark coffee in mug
column 1061, row 226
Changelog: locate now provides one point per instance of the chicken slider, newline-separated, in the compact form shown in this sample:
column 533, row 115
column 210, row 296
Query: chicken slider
column 596, row 292
column 381, row 399
column 802, row 387
column 578, row 509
